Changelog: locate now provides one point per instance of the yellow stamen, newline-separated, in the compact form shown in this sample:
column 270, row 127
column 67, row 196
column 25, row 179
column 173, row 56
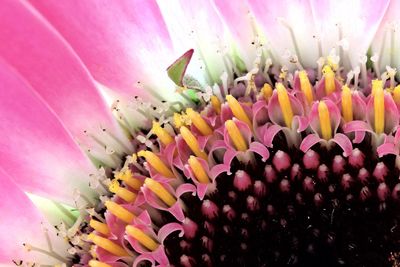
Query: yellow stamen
column 191, row 141
column 284, row 103
column 199, row 122
column 123, row 193
column 379, row 108
column 198, row 170
column 94, row 263
column 329, row 76
column 324, row 121
column 216, row 104
column 99, row 227
column 128, row 178
column 156, row 163
column 108, row 245
column 306, row 87
column 119, row 211
column 235, row 135
column 160, row 191
column 238, row 111
column 266, row 91
column 162, row 134
column 396, row 94
column 141, row 237
column 376, row 84
column 347, row 104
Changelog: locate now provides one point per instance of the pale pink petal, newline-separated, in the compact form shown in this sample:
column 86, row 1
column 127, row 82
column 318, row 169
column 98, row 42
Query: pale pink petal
column 334, row 116
column 31, row 46
column 357, row 20
column 260, row 149
column 387, row 148
column 270, row 134
column 241, row 24
column 272, row 16
column 275, row 110
column 20, row 223
column 391, row 113
column 36, row 150
column 189, row 24
column 105, row 36
column 357, row 126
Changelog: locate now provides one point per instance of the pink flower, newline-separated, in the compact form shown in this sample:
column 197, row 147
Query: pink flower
column 277, row 145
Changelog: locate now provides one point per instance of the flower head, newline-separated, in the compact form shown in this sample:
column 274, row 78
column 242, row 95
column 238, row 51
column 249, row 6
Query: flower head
column 276, row 144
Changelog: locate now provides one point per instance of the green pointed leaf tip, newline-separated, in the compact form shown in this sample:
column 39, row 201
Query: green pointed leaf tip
column 177, row 70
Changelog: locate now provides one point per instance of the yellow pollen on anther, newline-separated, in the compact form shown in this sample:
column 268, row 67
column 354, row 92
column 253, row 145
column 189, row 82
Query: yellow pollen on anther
column 266, row 91
column 379, row 108
column 198, row 170
column 123, row 193
column 306, row 87
column 235, row 135
column 128, row 178
column 324, row 121
column 192, row 142
column 141, row 237
column 108, row 245
column 396, row 94
column 156, row 163
column 162, row 134
column 216, row 104
column 159, row 190
column 238, row 111
column 99, row 227
column 119, row 211
column 199, row 122
column 94, row 263
column 284, row 103
column 329, row 76
column 347, row 104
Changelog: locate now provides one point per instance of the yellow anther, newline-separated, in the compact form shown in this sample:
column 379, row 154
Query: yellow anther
column 306, row 87
column 199, row 122
column 198, row 170
column 266, row 91
column 235, row 135
column 162, row 134
column 159, row 190
column 178, row 122
column 324, row 121
column 108, row 245
column 192, row 142
column 216, row 104
column 379, row 108
column 332, row 63
column 329, row 76
column 284, row 103
column 396, row 94
column 94, row 263
column 347, row 104
column 375, row 85
column 99, row 227
column 119, row 211
column 156, row 163
column 123, row 193
column 238, row 111
column 128, row 178
column 141, row 237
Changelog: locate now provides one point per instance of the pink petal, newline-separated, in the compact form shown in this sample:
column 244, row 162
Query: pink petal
column 387, row 148
column 358, row 19
column 104, row 34
column 344, row 142
column 275, row 111
column 270, row 134
column 31, row 46
column 20, row 223
column 297, row 14
column 309, row 141
column 35, row 148
column 260, row 149
column 391, row 113
column 334, row 115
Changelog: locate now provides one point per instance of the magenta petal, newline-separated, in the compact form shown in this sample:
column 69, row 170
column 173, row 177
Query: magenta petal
column 275, row 112
column 270, row 134
column 334, row 115
column 45, row 61
column 104, row 35
column 386, row 149
column 309, row 141
column 260, row 149
column 35, row 148
column 20, row 223
column 344, row 142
